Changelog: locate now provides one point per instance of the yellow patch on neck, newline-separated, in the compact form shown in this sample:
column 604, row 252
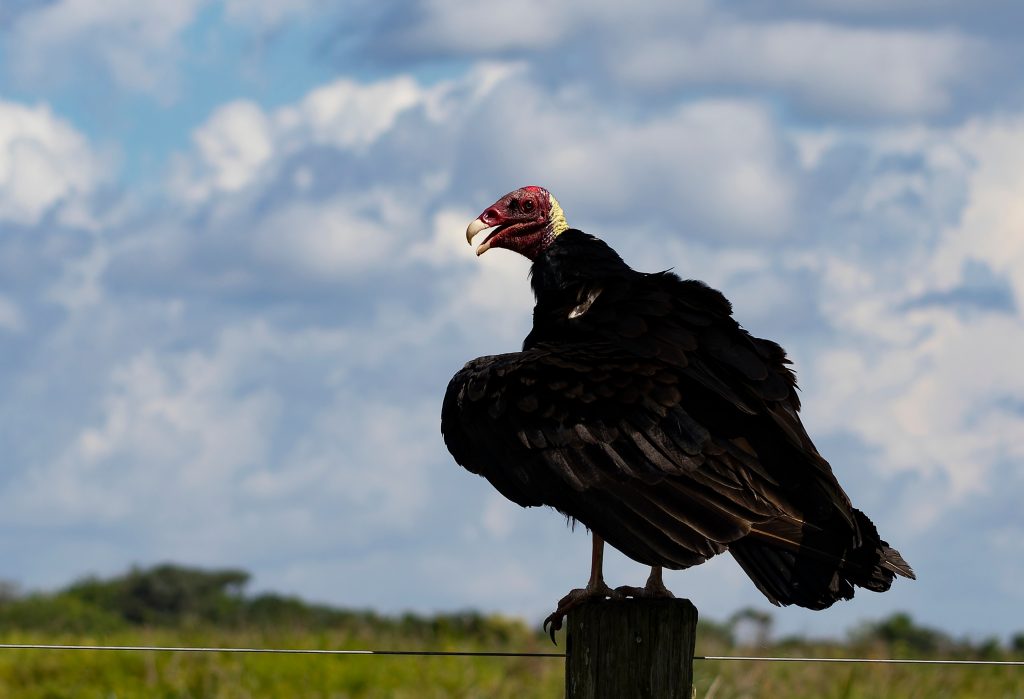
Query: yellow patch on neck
column 556, row 219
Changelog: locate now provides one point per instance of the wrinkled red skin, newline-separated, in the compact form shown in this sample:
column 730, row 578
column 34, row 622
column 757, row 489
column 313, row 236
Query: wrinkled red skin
column 522, row 217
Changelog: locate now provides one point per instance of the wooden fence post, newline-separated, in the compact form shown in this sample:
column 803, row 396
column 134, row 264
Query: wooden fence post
column 630, row 648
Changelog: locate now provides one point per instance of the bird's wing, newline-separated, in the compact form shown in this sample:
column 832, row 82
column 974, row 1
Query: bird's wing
column 737, row 384
column 611, row 439
column 641, row 408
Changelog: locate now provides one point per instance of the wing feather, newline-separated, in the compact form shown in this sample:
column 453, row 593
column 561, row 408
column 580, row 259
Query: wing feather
column 632, row 446
column 649, row 415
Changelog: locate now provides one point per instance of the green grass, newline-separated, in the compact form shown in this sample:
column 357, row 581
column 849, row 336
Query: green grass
column 171, row 605
column 36, row 674
column 736, row 679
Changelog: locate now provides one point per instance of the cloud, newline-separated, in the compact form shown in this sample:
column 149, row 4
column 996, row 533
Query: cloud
column 704, row 157
column 136, row 44
column 191, row 449
column 993, row 220
column 912, row 378
column 267, row 15
column 347, row 114
column 450, row 26
column 820, row 67
column 304, row 194
column 230, row 148
column 247, row 365
column 11, row 318
column 46, row 166
column 922, row 13
column 304, row 190
column 479, row 29
column 174, row 431
column 240, row 142
column 829, row 68
column 326, row 239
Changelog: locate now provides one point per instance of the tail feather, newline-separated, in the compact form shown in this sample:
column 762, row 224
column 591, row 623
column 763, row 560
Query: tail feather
column 785, row 578
column 874, row 561
column 892, row 560
column 805, row 565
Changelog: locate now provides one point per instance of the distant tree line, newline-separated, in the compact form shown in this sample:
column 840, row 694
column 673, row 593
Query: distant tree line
column 178, row 596
column 898, row 635
column 170, row 595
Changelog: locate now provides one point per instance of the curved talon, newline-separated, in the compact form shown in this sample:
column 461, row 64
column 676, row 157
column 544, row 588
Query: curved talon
column 555, row 621
column 574, row 599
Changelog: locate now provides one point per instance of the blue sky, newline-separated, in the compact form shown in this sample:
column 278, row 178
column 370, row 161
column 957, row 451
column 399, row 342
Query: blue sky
column 234, row 283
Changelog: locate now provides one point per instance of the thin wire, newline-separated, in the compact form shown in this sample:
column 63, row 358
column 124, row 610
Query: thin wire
column 293, row 651
column 889, row 661
column 493, row 654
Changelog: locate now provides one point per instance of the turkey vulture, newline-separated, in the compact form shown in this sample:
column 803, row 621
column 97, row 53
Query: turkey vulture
column 639, row 407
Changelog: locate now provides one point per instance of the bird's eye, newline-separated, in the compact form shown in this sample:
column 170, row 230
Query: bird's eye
column 528, row 205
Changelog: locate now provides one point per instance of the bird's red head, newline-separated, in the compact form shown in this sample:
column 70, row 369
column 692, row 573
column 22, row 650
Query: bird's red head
column 528, row 220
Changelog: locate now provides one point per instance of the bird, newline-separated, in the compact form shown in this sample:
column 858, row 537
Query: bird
column 640, row 408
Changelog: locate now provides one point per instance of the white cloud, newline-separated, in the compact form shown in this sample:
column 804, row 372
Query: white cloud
column 137, row 43
column 11, row 318
column 498, row 26
column 45, row 164
column 367, row 457
column 935, row 387
column 932, row 406
column 233, row 144
column 722, row 164
column 443, row 247
column 175, row 432
column 882, row 7
column 191, row 442
column 81, row 283
column 499, row 516
column 706, row 156
column 502, row 26
column 269, row 14
column 326, row 239
column 992, row 228
column 255, row 377
column 830, row 67
column 347, row 114
column 240, row 142
column 834, row 68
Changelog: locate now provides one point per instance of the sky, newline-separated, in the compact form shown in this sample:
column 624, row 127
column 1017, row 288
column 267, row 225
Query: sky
column 234, row 281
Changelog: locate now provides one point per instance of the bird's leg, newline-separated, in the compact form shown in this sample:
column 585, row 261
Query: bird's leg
column 654, row 589
column 596, row 589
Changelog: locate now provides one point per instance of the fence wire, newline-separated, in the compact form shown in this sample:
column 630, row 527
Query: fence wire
column 492, row 654
column 280, row 651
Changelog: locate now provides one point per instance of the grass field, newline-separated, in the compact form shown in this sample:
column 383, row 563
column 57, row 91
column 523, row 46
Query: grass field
column 831, row 681
column 176, row 606
column 124, row 675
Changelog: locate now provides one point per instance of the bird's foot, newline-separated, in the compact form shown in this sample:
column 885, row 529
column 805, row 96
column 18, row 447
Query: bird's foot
column 656, row 590
column 574, row 599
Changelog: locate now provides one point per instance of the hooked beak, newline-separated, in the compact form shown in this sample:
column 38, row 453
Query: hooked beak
column 474, row 228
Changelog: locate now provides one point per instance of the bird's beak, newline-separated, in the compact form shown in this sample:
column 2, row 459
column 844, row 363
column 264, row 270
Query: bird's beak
column 474, row 228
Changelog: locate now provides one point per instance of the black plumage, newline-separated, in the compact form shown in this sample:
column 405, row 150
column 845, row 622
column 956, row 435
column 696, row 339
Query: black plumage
column 639, row 407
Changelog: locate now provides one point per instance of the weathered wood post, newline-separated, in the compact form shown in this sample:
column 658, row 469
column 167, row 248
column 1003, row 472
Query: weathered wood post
column 630, row 648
